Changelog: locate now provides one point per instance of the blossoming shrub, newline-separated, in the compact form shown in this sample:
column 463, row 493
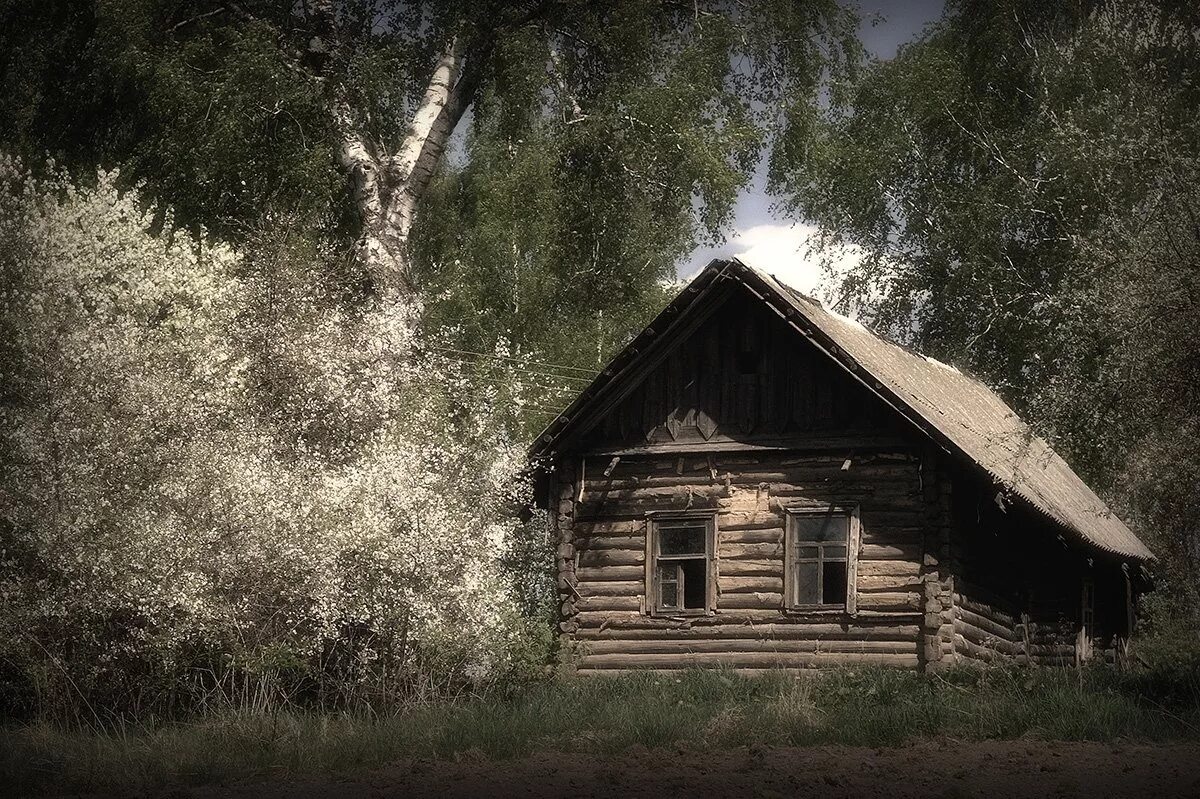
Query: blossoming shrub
column 221, row 477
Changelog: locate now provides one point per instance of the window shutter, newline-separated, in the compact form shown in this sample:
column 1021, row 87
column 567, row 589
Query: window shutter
column 852, row 547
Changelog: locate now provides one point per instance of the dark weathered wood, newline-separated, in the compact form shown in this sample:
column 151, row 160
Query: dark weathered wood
column 742, row 417
column 761, row 660
column 654, row 629
column 745, row 645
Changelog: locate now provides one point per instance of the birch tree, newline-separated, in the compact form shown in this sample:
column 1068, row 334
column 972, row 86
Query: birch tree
column 338, row 115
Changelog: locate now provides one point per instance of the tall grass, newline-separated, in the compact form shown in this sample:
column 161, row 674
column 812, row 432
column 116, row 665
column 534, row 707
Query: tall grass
column 699, row 709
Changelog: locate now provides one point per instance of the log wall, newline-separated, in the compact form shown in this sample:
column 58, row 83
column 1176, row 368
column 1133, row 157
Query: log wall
column 602, row 576
column 1018, row 586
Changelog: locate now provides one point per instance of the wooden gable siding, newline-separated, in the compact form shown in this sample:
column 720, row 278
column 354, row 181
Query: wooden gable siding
column 603, row 525
column 742, row 376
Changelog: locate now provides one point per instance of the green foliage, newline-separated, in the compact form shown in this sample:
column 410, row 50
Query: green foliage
column 216, row 482
column 553, row 233
column 703, row 710
column 1023, row 181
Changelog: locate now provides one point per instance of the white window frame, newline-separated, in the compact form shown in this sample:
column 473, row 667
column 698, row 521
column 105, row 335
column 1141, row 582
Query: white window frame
column 849, row 605
column 655, row 522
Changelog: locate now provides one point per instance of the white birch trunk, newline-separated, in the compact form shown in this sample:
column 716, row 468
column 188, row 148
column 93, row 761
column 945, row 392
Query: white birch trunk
column 388, row 187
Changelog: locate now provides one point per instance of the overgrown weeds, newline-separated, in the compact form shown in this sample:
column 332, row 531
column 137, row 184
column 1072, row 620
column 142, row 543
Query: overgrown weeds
column 697, row 709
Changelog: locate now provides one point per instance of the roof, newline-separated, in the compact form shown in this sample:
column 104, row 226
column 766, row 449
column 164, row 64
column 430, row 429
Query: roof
column 959, row 412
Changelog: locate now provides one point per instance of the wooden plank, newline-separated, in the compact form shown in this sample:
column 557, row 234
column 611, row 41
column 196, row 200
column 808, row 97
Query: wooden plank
column 595, row 574
column 986, row 623
column 755, row 600
column 979, row 637
column 749, row 585
column 768, row 660
column 888, row 568
column 769, row 535
column 745, row 520
column 737, row 645
column 983, row 609
column 889, row 601
column 776, row 631
column 606, row 603
column 749, row 617
column 752, row 568
column 888, row 582
column 605, row 527
column 611, row 557
column 610, row 542
column 891, row 551
column 613, row 588
column 751, row 551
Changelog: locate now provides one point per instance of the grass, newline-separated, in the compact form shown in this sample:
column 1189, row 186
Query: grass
column 697, row 709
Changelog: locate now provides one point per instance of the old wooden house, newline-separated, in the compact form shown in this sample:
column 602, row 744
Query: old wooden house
column 757, row 482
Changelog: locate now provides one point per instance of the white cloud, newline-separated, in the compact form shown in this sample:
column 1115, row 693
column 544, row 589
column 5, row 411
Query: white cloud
column 793, row 255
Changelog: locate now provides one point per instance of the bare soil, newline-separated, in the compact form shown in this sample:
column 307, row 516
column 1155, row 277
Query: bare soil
column 929, row 770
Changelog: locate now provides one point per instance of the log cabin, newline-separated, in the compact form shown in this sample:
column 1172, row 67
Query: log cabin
column 756, row 482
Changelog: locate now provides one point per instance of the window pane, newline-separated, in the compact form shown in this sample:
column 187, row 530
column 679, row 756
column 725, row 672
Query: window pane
column 806, row 584
column 668, row 595
column 835, row 553
column 695, row 590
column 834, row 588
column 807, row 552
column 681, row 540
column 827, row 527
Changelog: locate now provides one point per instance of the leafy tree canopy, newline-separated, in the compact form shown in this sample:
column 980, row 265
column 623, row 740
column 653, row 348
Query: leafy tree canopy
column 603, row 139
column 1022, row 181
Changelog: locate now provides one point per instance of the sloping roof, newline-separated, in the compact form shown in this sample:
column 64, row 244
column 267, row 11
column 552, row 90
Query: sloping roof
column 958, row 411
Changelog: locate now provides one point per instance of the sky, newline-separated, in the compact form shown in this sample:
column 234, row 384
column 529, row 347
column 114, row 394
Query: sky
column 774, row 242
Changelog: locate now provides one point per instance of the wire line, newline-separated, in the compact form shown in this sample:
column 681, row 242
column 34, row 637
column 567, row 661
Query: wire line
column 589, row 372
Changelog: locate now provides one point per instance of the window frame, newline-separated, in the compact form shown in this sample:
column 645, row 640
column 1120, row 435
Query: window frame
column 791, row 542
column 655, row 522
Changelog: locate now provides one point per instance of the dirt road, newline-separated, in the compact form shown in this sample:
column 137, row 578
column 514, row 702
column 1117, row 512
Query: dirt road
column 929, row 770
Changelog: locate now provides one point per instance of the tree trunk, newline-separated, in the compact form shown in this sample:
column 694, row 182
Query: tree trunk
column 389, row 187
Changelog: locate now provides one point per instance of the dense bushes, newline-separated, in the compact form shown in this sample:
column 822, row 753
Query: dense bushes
column 222, row 475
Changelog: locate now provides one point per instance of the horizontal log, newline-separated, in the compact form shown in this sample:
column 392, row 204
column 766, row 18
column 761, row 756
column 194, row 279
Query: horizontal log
column 986, row 623
column 888, row 568
column 977, row 651
column 751, row 551
column 763, row 600
column 728, row 520
column 893, row 551
column 605, row 603
column 612, row 557
column 760, row 660
column 622, row 527
column 599, row 574
column 769, row 535
column 612, row 510
column 767, row 567
column 610, row 542
column 885, row 583
column 753, row 474
column 889, row 601
column 778, row 630
column 975, row 605
column 745, row 585
column 633, row 588
column 687, row 646
column 725, row 617
column 985, row 639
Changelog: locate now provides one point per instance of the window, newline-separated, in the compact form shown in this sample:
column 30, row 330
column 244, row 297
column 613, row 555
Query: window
column 678, row 558
column 821, row 559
